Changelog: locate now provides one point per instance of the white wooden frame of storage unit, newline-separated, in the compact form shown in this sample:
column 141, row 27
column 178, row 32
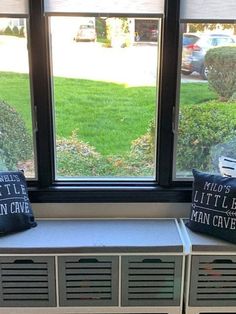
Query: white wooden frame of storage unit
column 190, row 253
column 106, row 309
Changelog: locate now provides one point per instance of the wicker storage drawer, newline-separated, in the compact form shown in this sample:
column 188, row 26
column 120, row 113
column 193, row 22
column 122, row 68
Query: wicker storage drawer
column 213, row 281
column 88, row 280
column 210, row 284
column 27, row 281
column 151, row 280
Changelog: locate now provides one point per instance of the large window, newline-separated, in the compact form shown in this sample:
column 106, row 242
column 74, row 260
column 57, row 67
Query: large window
column 116, row 100
column 104, row 80
column 105, row 72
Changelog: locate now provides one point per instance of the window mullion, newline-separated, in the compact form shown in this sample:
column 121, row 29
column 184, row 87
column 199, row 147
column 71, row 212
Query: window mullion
column 41, row 93
column 167, row 93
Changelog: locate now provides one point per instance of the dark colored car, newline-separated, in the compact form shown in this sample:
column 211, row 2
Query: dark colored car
column 195, row 47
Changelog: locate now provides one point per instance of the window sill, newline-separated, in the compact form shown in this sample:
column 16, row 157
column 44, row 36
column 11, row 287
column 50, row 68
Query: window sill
column 107, row 194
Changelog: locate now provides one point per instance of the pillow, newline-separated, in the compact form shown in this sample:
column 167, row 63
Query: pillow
column 15, row 210
column 227, row 166
column 213, row 209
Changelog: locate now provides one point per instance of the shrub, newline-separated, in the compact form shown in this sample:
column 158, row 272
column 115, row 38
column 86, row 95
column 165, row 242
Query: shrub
column 22, row 32
column 15, row 31
column 200, row 128
column 8, row 31
column 76, row 158
column 221, row 63
column 140, row 160
column 15, row 141
column 2, row 162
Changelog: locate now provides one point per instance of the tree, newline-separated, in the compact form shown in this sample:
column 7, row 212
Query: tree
column 201, row 27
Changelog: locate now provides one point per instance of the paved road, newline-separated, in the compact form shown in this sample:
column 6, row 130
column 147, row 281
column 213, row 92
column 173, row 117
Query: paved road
column 13, row 54
column 134, row 66
column 193, row 78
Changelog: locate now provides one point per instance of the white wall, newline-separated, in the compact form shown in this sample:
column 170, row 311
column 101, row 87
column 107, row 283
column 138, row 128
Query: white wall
column 111, row 210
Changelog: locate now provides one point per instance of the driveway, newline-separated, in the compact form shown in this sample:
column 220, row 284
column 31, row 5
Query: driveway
column 193, row 78
column 134, row 66
column 13, row 54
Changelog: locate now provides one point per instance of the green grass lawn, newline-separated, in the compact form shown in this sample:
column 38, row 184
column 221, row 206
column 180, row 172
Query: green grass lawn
column 195, row 93
column 108, row 116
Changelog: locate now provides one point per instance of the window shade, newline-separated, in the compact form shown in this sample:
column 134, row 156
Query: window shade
column 208, row 10
column 13, row 7
column 104, row 6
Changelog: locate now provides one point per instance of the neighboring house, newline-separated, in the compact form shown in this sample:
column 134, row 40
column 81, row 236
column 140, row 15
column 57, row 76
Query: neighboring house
column 8, row 22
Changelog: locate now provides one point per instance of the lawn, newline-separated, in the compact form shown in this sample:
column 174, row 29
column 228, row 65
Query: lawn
column 108, row 116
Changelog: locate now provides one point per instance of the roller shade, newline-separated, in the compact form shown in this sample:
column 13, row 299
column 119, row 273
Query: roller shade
column 104, row 6
column 14, row 7
column 208, row 10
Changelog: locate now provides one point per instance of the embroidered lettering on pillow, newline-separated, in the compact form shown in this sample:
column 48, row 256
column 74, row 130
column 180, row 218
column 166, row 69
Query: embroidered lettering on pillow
column 15, row 209
column 213, row 209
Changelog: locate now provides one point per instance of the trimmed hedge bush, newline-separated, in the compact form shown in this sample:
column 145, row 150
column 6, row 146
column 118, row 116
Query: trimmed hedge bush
column 8, row 31
column 15, row 31
column 2, row 163
column 200, row 128
column 76, row 158
column 221, row 64
column 15, row 141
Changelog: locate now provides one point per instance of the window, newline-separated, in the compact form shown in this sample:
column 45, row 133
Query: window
column 16, row 127
column 105, row 72
column 206, row 121
column 113, row 108
column 104, row 84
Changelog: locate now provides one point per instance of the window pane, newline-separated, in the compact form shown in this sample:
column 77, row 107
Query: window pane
column 105, row 74
column 16, row 135
column 207, row 106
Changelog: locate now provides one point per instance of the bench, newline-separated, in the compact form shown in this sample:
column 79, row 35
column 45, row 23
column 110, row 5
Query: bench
column 210, row 285
column 93, row 266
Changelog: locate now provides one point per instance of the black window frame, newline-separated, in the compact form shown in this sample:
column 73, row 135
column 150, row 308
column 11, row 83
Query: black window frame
column 45, row 189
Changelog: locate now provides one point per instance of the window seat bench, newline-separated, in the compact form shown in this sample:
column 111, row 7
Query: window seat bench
column 210, row 273
column 93, row 266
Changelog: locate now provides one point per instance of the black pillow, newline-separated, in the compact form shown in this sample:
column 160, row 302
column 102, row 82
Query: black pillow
column 15, row 210
column 213, row 209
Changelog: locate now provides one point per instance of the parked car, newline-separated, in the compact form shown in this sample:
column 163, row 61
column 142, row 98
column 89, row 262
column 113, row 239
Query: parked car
column 86, row 32
column 195, row 47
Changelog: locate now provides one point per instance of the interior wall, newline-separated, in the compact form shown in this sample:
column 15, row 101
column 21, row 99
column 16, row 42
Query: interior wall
column 111, row 210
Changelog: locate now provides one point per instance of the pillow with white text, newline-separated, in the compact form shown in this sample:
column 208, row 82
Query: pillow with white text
column 15, row 209
column 213, row 209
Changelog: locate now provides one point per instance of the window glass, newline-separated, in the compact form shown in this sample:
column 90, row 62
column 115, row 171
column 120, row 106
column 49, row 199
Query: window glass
column 105, row 96
column 207, row 105
column 16, row 134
